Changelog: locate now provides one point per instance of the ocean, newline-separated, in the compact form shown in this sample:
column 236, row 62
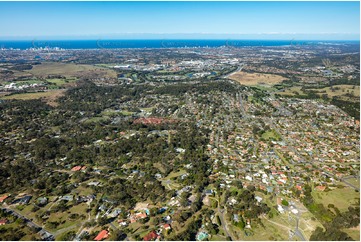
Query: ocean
column 154, row 43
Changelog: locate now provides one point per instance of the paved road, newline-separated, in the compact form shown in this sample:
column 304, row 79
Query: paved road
column 351, row 185
column 224, row 223
column 297, row 231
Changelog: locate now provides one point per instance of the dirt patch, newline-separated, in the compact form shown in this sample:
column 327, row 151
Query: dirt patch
column 140, row 205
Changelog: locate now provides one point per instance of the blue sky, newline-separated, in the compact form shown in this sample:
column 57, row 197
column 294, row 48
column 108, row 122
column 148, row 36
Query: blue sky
column 262, row 20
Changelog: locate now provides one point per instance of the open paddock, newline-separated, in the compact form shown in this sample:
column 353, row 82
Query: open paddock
column 254, row 79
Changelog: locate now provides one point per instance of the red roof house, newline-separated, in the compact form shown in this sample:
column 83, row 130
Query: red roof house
column 102, row 235
column 76, row 168
column 140, row 215
column 320, row 188
column 167, row 227
column 151, row 236
column 3, row 221
column 2, row 199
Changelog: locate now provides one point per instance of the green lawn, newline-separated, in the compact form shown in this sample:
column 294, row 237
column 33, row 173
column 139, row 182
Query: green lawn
column 63, row 217
column 175, row 174
column 171, row 177
column 269, row 232
column 218, row 238
column 84, row 191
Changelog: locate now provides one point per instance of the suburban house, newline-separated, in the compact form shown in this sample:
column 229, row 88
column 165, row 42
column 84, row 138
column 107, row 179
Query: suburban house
column 320, row 188
column 2, row 199
column 3, row 221
column 167, row 227
column 151, row 236
column 23, row 200
column 102, row 235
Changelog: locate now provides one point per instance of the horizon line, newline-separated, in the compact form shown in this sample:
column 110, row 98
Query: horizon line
column 166, row 39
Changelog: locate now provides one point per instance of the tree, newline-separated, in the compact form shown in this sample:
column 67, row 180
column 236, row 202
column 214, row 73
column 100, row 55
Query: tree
column 284, row 202
column 102, row 220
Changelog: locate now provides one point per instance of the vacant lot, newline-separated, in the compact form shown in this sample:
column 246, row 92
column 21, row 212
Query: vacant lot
column 70, row 70
column 253, row 79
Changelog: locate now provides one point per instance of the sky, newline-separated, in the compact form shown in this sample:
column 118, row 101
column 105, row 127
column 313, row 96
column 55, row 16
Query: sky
column 248, row 20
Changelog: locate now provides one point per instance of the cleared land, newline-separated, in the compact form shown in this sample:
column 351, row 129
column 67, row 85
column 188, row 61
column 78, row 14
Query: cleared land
column 253, row 79
column 70, row 70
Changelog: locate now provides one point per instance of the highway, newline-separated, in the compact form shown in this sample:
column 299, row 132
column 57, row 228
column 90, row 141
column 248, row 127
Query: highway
column 238, row 70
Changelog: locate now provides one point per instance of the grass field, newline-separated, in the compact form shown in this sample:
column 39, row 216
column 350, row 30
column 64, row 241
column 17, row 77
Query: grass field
column 339, row 90
column 354, row 182
column 291, row 91
column 70, row 70
column 342, row 198
column 63, row 217
column 61, row 82
column 218, row 238
column 271, row 135
column 49, row 96
column 29, row 235
column 345, row 92
column 353, row 232
column 253, row 79
column 168, row 182
column 269, row 232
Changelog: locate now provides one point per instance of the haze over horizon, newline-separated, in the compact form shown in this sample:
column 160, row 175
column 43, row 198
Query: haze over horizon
column 180, row 20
